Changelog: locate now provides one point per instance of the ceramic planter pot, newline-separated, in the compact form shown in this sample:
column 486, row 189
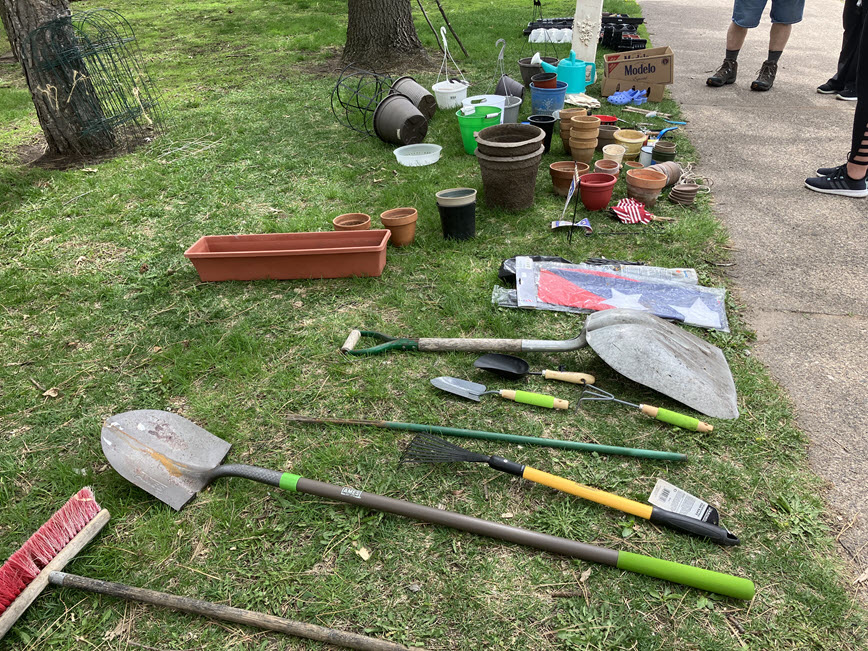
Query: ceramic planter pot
column 286, row 256
column 646, row 179
column 584, row 122
column 562, row 175
column 528, row 70
column 545, row 80
column 614, row 152
column 605, row 136
column 352, row 221
column 585, row 155
column 605, row 166
column 420, row 96
column 509, row 140
column 648, row 196
column 596, row 190
column 509, row 182
column 633, row 165
column 399, row 122
column 632, row 142
column 402, row 223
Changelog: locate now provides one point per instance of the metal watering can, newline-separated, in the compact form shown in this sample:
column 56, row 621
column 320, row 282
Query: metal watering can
column 574, row 72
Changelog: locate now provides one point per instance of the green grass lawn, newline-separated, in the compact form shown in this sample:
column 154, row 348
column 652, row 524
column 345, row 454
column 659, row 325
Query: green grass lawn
column 98, row 302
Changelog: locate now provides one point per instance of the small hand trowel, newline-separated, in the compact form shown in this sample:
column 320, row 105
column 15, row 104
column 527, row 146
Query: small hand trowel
column 475, row 391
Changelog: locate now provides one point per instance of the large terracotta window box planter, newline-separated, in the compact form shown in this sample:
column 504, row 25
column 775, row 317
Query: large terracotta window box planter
column 287, row 256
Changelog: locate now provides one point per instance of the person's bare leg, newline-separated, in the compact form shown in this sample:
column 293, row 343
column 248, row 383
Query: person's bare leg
column 778, row 36
column 735, row 36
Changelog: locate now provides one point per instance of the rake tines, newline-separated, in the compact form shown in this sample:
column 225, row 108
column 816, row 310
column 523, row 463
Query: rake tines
column 427, row 448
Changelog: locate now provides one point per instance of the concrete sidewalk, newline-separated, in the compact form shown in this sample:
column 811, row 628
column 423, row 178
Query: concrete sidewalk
column 801, row 257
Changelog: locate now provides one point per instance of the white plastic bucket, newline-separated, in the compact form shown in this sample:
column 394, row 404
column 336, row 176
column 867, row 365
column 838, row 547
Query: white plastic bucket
column 497, row 101
column 449, row 94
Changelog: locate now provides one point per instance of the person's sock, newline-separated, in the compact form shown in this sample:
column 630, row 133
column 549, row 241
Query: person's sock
column 732, row 55
column 774, row 55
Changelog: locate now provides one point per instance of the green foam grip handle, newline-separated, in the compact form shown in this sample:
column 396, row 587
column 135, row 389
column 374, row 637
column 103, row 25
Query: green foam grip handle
column 289, row 482
column 538, row 399
column 695, row 577
column 679, row 420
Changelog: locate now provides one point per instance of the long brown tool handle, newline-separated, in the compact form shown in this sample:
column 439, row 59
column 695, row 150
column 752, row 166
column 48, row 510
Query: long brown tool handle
column 449, row 25
column 428, row 20
column 226, row 613
column 437, row 344
column 22, row 601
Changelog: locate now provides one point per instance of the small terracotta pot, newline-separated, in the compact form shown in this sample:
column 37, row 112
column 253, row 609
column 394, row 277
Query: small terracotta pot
column 647, row 179
column 562, row 175
column 633, row 165
column 585, row 122
column 648, row 196
column 352, row 221
column 545, row 80
column 402, row 223
column 605, row 166
column 596, row 190
column 582, row 155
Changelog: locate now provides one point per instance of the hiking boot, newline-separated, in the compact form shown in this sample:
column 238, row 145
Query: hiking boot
column 765, row 77
column 848, row 94
column 725, row 74
column 828, row 89
column 839, row 183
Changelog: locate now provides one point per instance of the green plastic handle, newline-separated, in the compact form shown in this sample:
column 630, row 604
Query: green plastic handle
column 679, row 420
column 695, row 577
column 538, row 399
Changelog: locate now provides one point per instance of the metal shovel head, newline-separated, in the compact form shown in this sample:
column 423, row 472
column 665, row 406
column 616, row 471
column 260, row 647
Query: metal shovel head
column 666, row 358
column 462, row 388
column 162, row 453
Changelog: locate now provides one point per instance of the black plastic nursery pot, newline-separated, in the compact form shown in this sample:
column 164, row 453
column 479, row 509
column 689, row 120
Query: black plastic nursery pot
column 399, row 122
column 457, row 207
column 547, row 124
column 420, row 96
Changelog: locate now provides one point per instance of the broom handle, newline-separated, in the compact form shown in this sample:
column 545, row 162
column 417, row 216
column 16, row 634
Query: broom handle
column 225, row 613
column 496, row 436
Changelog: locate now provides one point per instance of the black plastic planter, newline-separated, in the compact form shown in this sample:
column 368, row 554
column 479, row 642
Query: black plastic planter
column 399, row 122
column 420, row 96
column 547, row 124
column 457, row 207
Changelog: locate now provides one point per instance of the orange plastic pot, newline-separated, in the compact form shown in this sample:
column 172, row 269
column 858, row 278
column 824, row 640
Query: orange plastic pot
column 402, row 223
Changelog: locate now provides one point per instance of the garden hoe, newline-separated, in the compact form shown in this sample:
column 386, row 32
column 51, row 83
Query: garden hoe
column 639, row 345
column 173, row 459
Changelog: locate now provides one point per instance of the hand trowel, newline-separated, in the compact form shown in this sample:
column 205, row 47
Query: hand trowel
column 474, row 391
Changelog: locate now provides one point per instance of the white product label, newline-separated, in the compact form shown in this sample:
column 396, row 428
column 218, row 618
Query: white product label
column 525, row 291
column 672, row 498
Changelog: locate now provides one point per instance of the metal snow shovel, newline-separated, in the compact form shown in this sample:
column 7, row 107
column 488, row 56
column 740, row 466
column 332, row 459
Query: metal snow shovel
column 639, row 345
column 474, row 391
column 173, row 459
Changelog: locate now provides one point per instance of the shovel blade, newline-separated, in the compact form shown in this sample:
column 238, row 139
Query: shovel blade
column 162, row 453
column 463, row 388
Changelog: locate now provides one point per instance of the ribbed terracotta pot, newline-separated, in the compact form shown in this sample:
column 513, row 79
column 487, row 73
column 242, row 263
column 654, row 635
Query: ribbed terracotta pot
column 582, row 143
column 584, row 122
column 562, row 175
column 352, row 221
column 402, row 223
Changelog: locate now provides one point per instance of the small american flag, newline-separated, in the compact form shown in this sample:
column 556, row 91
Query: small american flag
column 573, row 185
column 631, row 211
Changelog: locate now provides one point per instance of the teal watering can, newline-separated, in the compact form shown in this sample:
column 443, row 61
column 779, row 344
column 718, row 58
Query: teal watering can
column 574, row 72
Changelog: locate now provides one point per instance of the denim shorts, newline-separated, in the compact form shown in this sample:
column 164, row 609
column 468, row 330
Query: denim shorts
column 747, row 13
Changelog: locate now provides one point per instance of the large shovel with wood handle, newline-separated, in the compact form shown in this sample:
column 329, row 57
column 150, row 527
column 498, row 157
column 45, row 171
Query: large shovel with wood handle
column 639, row 345
column 173, row 459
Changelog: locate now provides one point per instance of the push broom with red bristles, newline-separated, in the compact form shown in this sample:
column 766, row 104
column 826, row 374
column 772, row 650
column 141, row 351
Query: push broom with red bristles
column 39, row 560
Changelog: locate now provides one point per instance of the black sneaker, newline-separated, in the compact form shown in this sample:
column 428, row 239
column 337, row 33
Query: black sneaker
column 828, row 89
column 765, row 77
column 725, row 74
column 839, row 183
column 848, row 94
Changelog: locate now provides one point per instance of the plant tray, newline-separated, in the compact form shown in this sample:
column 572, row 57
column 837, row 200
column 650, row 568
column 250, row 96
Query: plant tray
column 288, row 256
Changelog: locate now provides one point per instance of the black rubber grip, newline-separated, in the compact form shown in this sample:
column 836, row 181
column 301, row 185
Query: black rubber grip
column 693, row 526
column 505, row 465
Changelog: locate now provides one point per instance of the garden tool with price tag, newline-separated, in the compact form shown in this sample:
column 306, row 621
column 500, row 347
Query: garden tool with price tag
column 427, row 448
column 474, row 391
column 173, row 459
column 672, row 417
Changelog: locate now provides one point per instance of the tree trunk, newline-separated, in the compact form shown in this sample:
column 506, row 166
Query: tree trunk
column 7, row 26
column 381, row 35
column 63, row 95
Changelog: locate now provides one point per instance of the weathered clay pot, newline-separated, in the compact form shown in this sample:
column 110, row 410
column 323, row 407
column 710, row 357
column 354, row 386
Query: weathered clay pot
column 581, row 143
column 648, row 196
column 402, row 223
column 509, row 140
column 671, row 169
column 605, row 166
column 352, row 221
column 562, row 175
column 509, row 182
column 585, row 155
column 614, row 152
column 605, row 136
column 632, row 142
column 646, row 179
column 584, row 123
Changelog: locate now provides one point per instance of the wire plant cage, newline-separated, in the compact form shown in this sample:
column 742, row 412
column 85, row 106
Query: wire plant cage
column 356, row 96
column 90, row 71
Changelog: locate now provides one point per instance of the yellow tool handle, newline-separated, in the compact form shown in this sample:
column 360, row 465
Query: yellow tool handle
column 588, row 493
column 567, row 376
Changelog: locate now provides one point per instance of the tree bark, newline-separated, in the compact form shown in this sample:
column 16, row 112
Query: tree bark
column 63, row 96
column 7, row 26
column 381, row 35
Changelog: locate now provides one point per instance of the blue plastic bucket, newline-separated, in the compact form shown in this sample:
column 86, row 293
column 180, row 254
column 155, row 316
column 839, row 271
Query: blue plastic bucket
column 545, row 101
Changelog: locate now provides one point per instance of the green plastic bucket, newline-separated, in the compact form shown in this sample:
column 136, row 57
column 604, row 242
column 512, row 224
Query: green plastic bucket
column 472, row 122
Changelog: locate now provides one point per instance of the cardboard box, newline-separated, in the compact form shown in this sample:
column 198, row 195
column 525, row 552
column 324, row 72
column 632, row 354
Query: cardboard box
column 612, row 86
column 652, row 66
